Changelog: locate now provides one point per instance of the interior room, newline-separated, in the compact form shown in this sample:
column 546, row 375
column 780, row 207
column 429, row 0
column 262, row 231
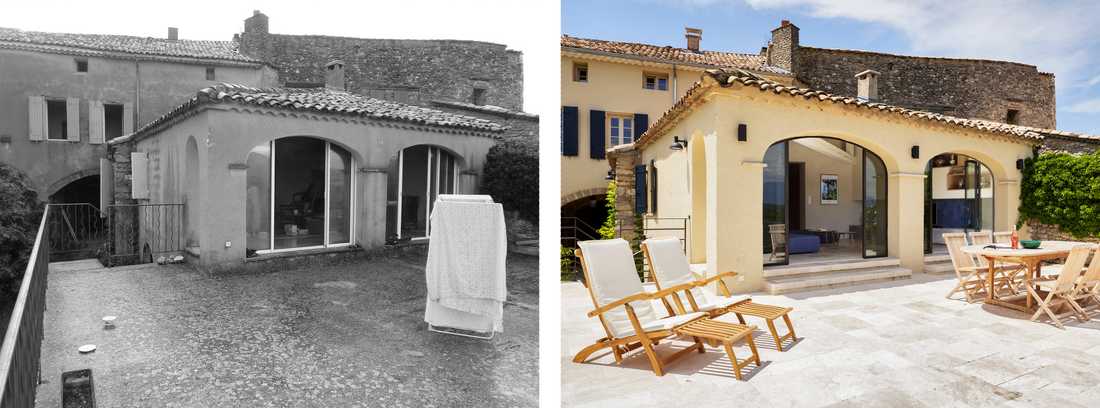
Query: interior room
column 960, row 198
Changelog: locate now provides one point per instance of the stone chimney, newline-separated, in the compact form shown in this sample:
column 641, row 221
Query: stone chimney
column 256, row 24
column 694, row 36
column 867, row 85
column 173, row 33
column 784, row 46
column 334, row 75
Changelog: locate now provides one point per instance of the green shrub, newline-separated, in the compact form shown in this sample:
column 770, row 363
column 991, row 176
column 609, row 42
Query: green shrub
column 1064, row 190
column 20, row 214
column 610, row 226
column 512, row 177
column 568, row 263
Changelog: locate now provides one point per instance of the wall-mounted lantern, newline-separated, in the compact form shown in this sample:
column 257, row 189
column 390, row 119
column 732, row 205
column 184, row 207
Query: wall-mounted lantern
column 914, row 152
column 1019, row 164
column 610, row 175
column 742, row 132
column 678, row 144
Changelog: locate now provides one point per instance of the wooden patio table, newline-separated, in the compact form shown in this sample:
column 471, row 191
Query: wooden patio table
column 1030, row 258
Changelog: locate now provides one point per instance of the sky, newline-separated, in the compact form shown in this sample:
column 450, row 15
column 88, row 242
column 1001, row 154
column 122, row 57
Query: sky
column 1055, row 36
column 481, row 20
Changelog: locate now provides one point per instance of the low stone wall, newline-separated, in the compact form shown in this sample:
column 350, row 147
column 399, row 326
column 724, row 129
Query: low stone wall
column 1045, row 232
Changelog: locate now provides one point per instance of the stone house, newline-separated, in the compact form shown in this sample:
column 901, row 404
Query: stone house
column 613, row 90
column 291, row 170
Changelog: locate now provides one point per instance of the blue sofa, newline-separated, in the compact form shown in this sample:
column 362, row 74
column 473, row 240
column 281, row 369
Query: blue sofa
column 800, row 243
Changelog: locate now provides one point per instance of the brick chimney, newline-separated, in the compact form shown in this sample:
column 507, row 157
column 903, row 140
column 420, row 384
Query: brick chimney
column 867, row 85
column 173, row 33
column 334, row 75
column 694, row 36
column 783, row 47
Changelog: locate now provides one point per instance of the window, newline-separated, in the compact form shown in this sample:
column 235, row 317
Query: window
column 1013, row 117
column 81, row 65
column 580, row 72
column 57, row 124
column 112, row 120
column 478, row 98
column 622, row 129
column 657, row 82
column 209, row 73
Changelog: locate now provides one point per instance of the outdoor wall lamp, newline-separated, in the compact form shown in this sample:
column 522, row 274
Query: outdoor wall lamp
column 610, row 175
column 678, row 144
column 1019, row 164
column 742, row 132
column 914, row 152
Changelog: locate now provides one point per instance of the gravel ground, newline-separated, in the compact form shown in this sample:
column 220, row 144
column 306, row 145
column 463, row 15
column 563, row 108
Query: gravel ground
column 347, row 335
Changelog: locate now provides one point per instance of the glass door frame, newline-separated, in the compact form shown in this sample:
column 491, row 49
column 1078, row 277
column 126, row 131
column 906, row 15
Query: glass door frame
column 885, row 218
column 328, row 203
column 427, row 188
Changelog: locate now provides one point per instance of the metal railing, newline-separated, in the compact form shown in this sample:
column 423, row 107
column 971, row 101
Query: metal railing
column 75, row 231
column 19, row 354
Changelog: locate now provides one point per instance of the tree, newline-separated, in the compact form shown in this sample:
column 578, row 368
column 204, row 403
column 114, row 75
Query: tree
column 20, row 214
column 512, row 177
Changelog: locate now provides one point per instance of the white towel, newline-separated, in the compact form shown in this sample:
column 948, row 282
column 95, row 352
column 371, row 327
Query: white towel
column 466, row 258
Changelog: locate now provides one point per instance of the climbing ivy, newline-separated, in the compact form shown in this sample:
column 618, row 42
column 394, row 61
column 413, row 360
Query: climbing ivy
column 610, row 224
column 1063, row 189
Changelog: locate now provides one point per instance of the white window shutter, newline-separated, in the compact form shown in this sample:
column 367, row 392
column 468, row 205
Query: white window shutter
column 127, row 118
column 72, row 109
column 36, row 123
column 139, row 176
column 96, row 131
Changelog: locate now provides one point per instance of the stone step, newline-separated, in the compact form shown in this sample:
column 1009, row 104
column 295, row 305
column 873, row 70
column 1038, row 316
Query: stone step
column 524, row 250
column 832, row 279
column 937, row 258
column 939, row 268
column 829, row 266
column 528, row 242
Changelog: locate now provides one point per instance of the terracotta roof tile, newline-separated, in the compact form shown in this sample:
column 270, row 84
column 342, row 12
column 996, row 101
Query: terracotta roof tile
column 322, row 100
column 122, row 45
column 727, row 78
column 716, row 59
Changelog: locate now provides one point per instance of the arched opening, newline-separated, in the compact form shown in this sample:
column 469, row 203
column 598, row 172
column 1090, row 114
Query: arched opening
column 958, row 197
column 824, row 199
column 191, row 197
column 582, row 218
column 299, row 195
column 417, row 175
column 84, row 190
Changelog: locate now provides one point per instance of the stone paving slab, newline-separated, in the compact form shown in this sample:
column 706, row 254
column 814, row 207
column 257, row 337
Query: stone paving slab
column 891, row 344
column 335, row 336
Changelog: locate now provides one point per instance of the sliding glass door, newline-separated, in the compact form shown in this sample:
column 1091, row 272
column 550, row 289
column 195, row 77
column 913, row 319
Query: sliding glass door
column 874, row 206
column 417, row 177
column 776, row 250
column 300, row 195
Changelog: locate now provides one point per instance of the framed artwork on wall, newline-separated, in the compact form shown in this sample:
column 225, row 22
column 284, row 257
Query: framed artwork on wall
column 830, row 193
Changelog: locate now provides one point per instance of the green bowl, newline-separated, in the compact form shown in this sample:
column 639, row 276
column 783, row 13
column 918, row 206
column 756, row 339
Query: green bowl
column 1030, row 243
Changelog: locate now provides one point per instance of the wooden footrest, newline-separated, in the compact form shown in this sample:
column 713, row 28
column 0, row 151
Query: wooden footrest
column 726, row 334
column 769, row 313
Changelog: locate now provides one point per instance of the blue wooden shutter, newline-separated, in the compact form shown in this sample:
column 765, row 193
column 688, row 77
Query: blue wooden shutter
column 597, row 134
column 569, row 130
column 653, row 186
column 639, row 190
column 641, row 124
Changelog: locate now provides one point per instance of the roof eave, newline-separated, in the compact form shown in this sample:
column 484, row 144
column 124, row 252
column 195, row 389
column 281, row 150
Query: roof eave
column 701, row 67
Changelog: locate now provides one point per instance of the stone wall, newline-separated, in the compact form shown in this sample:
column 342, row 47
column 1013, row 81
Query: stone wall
column 622, row 160
column 412, row 71
column 958, row 87
column 1053, row 144
column 1045, row 232
column 520, row 125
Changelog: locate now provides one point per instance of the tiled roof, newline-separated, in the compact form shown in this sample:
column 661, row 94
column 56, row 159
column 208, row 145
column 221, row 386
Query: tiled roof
column 728, row 78
column 322, row 100
column 122, row 46
column 497, row 110
column 716, row 59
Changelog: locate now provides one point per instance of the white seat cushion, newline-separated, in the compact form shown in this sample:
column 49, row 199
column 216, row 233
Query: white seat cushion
column 719, row 302
column 672, row 268
column 668, row 322
column 612, row 276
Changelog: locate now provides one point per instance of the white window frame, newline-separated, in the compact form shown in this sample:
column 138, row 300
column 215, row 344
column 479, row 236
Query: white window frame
column 351, row 217
column 657, row 77
column 428, row 187
column 625, row 131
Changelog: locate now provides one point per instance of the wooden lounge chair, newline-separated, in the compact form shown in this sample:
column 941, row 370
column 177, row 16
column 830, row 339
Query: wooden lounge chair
column 1088, row 286
column 972, row 278
column 629, row 319
column 670, row 267
column 778, row 234
column 1061, row 289
column 1012, row 273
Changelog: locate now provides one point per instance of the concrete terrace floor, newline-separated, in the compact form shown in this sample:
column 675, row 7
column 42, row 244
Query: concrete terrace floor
column 895, row 344
column 348, row 335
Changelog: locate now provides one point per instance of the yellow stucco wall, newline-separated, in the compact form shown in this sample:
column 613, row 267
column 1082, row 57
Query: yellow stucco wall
column 718, row 181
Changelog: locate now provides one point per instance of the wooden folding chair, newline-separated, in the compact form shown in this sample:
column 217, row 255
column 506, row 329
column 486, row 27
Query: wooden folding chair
column 629, row 320
column 1087, row 288
column 971, row 277
column 1012, row 274
column 778, row 234
column 1063, row 288
column 671, row 267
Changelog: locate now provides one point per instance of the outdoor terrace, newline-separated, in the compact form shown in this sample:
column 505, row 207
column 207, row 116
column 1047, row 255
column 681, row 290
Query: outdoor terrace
column 346, row 335
column 895, row 344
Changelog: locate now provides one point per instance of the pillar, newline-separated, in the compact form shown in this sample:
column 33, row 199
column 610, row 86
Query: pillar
column 905, row 219
column 371, row 195
column 735, row 191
